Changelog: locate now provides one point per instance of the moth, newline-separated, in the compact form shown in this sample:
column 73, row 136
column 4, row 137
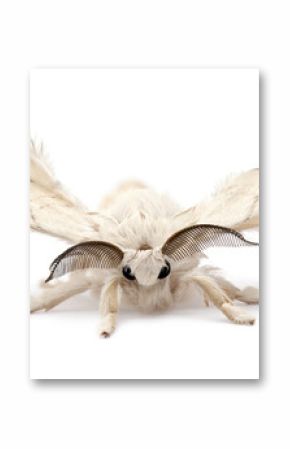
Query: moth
column 140, row 247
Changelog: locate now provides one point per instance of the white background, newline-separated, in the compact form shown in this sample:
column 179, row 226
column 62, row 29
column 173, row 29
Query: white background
column 181, row 131
column 88, row 414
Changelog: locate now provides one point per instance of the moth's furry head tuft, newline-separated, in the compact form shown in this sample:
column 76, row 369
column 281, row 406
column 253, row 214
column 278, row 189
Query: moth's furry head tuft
column 145, row 265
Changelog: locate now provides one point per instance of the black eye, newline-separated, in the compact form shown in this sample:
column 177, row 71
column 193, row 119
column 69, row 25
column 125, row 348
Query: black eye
column 127, row 273
column 165, row 271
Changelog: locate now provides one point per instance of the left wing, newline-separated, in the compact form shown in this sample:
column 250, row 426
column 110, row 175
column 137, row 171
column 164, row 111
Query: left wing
column 234, row 205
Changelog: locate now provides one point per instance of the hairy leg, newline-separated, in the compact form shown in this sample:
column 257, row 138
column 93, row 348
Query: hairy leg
column 248, row 295
column 219, row 297
column 109, row 305
column 57, row 290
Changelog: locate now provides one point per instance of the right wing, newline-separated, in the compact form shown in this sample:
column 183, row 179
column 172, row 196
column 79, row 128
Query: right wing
column 52, row 209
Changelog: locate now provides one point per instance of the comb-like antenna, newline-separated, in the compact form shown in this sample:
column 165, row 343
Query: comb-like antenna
column 86, row 255
column 198, row 238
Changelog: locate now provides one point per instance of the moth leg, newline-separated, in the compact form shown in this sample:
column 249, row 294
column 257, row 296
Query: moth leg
column 222, row 301
column 52, row 293
column 248, row 295
column 109, row 305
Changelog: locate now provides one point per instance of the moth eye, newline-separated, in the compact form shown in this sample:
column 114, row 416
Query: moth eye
column 128, row 274
column 165, row 271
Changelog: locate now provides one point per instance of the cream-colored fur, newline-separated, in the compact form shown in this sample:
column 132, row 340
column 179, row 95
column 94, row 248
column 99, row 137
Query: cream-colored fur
column 52, row 209
column 109, row 305
column 235, row 204
column 139, row 220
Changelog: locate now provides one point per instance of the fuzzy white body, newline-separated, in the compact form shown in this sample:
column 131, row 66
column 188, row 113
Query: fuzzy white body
column 139, row 221
column 144, row 218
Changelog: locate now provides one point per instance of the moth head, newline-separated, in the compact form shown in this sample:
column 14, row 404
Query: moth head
column 145, row 266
